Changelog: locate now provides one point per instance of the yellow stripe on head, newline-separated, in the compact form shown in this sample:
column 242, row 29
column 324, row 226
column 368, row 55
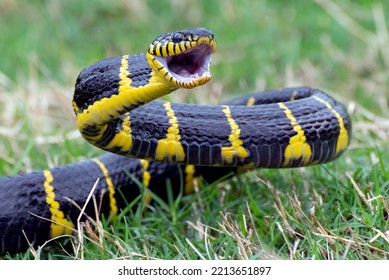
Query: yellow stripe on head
column 171, row 49
column 164, row 49
column 158, row 47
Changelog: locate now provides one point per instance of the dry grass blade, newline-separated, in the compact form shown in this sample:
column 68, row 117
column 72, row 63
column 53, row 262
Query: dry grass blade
column 290, row 247
column 384, row 235
column 79, row 227
column 246, row 245
column 195, row 249
column 360, row 193
column 353, row 244
column 353, row 235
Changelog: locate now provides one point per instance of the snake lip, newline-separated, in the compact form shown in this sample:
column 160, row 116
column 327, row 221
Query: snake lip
column 189, row 65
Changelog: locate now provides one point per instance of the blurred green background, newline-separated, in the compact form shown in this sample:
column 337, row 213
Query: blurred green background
column 262, row 44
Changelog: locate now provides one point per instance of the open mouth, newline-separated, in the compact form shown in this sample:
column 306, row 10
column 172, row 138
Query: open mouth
column 189, row 65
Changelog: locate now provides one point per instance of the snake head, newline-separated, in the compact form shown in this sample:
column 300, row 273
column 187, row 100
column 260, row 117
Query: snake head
column 182, row 58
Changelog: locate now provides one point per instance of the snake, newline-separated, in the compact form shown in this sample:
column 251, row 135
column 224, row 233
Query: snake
column 153, row 145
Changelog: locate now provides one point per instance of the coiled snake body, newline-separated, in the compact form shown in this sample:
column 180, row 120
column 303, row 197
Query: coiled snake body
column 179, row 143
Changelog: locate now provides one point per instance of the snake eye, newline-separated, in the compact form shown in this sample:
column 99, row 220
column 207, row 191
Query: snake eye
column 177, row 37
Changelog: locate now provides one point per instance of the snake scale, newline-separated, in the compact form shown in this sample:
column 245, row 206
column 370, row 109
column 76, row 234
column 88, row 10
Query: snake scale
column 153, row 144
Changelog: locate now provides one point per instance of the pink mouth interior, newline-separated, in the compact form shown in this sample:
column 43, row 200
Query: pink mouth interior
column 189, row 65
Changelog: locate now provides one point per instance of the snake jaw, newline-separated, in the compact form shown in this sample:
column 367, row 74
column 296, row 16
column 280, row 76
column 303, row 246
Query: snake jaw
column 182, row 58
column 189, row 68
column 192, row 64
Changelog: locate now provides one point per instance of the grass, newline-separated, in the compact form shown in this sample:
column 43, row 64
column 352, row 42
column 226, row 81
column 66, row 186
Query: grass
column 333, row 211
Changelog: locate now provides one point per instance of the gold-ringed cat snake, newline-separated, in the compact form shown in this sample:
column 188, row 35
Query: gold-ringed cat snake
column 156, row 142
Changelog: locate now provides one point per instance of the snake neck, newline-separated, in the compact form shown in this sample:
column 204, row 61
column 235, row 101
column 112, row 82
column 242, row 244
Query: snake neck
column 118, row 88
